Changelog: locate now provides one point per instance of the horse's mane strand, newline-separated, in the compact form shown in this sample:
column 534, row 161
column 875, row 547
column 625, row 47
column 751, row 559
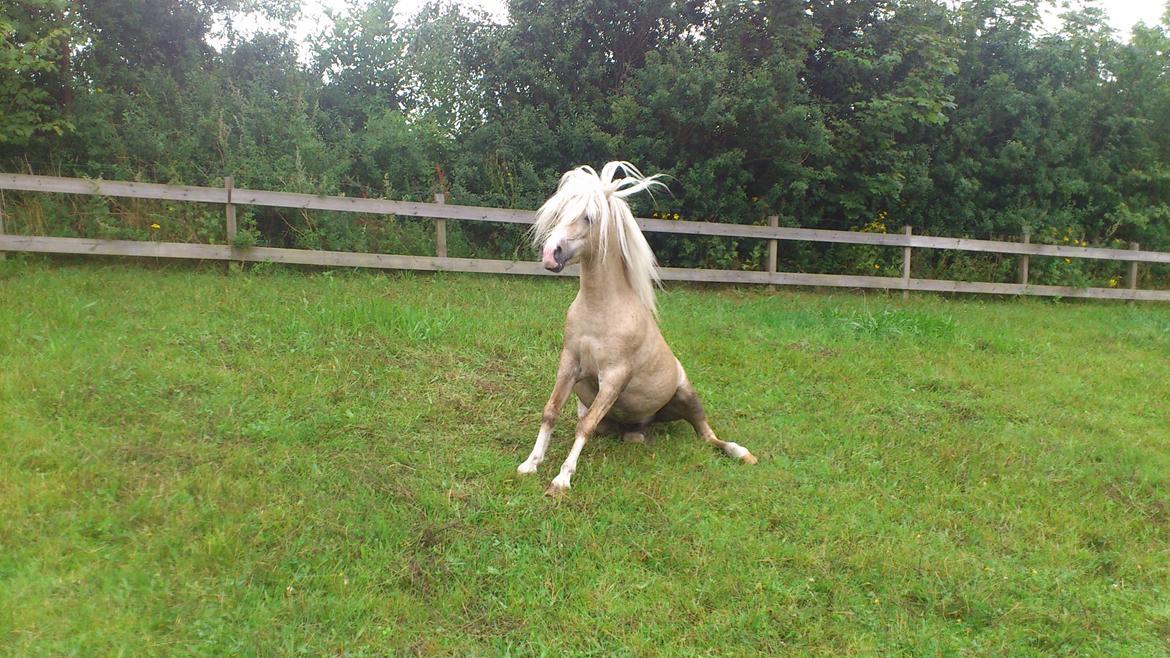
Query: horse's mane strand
column 583, row 190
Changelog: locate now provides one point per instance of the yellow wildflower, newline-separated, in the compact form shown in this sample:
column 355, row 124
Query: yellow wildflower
column 155, row 226
column 1112, row 283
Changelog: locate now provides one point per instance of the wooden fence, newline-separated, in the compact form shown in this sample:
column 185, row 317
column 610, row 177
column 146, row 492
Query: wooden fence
column 231, row 197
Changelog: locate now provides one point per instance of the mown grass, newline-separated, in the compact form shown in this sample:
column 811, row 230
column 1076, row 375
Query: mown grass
column 277, row 463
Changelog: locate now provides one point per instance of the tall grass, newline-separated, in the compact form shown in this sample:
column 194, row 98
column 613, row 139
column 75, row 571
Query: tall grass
column 279, row 462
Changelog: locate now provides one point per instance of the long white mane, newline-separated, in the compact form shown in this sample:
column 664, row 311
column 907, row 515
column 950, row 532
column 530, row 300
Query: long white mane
column 584, row 191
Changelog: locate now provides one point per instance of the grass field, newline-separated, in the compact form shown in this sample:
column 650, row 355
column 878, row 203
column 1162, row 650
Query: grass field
column 278, row 463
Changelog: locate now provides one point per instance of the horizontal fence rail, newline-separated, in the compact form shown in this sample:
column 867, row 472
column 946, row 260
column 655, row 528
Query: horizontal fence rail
column 231, row 197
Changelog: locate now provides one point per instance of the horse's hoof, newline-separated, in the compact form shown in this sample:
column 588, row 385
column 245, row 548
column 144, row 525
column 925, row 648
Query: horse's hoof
column 527, row 468
column 558, row 488
column 739, row 452
column 634, row 437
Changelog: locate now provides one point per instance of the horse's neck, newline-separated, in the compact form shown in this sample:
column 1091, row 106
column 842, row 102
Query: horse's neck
column 604, row 282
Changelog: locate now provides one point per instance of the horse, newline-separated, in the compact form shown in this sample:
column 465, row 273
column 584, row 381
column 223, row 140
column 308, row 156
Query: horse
column 613, row 356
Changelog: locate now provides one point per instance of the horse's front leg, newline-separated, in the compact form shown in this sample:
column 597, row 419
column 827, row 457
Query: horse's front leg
column 610, row 386
column 566, row 376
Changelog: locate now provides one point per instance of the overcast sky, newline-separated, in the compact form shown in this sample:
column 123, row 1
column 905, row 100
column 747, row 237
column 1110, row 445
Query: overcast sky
column 1123, row 14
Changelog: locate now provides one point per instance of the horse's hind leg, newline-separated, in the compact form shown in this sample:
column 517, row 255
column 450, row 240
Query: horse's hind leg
column 686, row 405
column 634, row 436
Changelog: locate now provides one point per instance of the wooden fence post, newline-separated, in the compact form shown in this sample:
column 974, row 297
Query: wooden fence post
column 1024, row 261
column 440, row 229
column 773, row 245
column 3, row 255
column 229, row 215
column 906, row 266
column 1133, row 267
column 230, row 211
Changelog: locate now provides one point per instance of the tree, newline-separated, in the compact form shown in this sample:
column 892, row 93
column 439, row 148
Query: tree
column 33, row 54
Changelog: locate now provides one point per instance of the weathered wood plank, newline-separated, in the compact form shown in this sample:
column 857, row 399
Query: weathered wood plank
column 97, row 247
column 1055, row 250
column 533, row 268
column 767, row 232
column 242, row 196
column 56, row 184
column 395, row 262
column 897, row 283
column 933, row 285
column 897, row 240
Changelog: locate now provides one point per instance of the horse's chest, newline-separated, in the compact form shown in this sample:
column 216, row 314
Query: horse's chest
column 597, row 354
column 630, row 351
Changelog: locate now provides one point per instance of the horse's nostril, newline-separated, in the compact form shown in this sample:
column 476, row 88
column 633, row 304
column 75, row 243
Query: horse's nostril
column 557, row 253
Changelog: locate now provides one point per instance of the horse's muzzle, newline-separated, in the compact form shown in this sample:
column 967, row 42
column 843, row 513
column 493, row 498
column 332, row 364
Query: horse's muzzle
column 554, row 260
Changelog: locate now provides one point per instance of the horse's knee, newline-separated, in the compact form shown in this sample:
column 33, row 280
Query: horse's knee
column 585, row 427
column 603, row 427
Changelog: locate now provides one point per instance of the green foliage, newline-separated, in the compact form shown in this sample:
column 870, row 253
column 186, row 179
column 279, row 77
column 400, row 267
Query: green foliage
column 959, row 119
column 246, row 234
column 33, row 46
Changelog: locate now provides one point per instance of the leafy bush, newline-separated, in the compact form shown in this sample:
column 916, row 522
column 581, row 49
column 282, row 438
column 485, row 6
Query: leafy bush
column 953, row 118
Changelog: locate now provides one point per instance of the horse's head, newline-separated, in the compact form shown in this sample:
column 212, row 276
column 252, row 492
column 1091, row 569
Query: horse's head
column 587, row 213
column 568, row 225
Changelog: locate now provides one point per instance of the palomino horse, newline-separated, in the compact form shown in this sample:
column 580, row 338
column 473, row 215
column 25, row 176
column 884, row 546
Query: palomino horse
column 614, row 357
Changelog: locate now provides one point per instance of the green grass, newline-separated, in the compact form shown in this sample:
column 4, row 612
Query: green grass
column 276, row 463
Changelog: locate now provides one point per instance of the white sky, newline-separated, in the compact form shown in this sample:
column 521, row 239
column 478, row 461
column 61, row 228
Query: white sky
column 313, row 12
column 1123, row 14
